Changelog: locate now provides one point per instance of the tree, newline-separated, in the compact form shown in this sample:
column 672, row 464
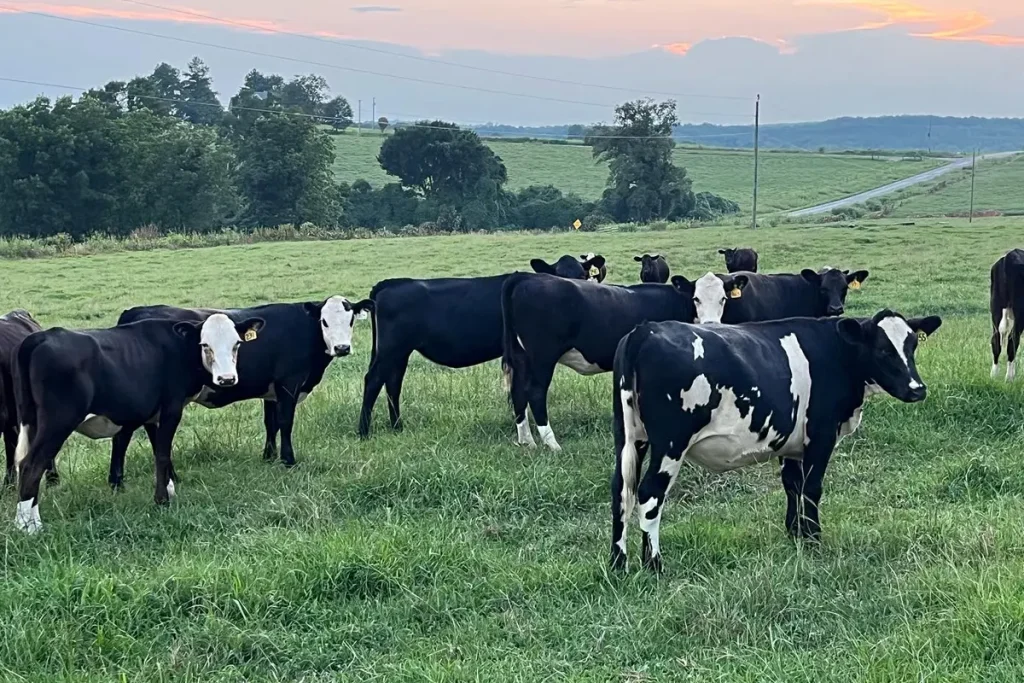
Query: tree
column 305, row 94
column 337, row 113
column 200, row 105
column 159, row 92
column 644, row 183
column 285, row 172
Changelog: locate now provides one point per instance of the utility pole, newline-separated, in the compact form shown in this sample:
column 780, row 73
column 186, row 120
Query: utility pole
column 974, row 168
column 359, row 126
column 757, row 130
column 374, row 119
column 929, row 135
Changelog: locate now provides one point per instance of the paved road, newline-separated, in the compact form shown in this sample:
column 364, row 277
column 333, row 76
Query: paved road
column 898, row 185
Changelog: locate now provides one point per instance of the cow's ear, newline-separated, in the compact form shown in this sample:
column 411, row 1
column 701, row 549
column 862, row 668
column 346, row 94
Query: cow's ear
column 363, row 308
column 810, row 276
column 186, row 329
column 735, row 285
column 856, row 279
column 638, row 259
column 313, row 309
column 851, row 331
column 655, row 256
column 926, row 326
column 723, row 251
column 682, row 285
column 248, row 329
column 541, row 266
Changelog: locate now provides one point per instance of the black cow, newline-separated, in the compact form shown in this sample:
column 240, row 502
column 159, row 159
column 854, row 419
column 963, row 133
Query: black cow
column 737, row 260
column 726, row 397
column 14, row 327
column 550, row 321
column 281, row 366
column 455, row 322
column 1007, row 306
column 753, row 297
column 653, row 268
column 100, row 382
column 594, row 272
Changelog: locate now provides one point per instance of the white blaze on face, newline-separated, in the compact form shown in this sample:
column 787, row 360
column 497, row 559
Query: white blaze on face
column 336, row 320
column 709, row 299
column 897, row 330
column 219, row 342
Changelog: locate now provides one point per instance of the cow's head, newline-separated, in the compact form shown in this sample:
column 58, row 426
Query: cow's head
column 336, row 317
column 884, row 346
column 594, row 266
column 711, row 293
column 219, row 338
column 567, row 267
column 832, row 287
column 739, row 259
column 648, row 267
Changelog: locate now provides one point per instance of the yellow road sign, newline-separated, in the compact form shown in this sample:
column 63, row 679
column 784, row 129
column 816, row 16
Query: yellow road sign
column 577, row 224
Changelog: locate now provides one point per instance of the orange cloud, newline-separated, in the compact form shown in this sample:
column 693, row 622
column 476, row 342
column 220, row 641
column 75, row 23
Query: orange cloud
column 676, row 48
column 783, row 46
column 959, row 25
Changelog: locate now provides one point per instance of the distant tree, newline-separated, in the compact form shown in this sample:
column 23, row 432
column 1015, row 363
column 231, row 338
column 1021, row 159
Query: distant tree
column 305, row 94
column 200, row 104
column 644, row 183
column 337, row 113
column 159, row 92
column 576, row 131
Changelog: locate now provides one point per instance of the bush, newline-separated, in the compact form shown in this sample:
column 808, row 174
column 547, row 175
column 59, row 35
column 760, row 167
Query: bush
column 658, row 226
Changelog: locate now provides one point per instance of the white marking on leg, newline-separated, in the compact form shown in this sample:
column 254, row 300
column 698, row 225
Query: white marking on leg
column 634, row 431
column 523, row 435
column 698, row 347
column 21, row 450
column 170, row 488
column 670, row 467
column 995, row 370
column 651, row 526
column 698, row 395
column 548, row 437
column 1011, row 370
column 27, row 519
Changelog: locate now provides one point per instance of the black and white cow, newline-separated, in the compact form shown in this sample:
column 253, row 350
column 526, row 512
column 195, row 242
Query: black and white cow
column 1007, row 306
column 653, row 268
column 737, row 260
column 728, row 396
column 594, row 272
column 550, row 321
column 14, row 327
column 754, row 297
column 100, row 382
column 455, row 322
column 281, row 366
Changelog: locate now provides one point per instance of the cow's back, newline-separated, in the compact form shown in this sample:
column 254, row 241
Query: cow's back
column 772, row 297
column 15, row 327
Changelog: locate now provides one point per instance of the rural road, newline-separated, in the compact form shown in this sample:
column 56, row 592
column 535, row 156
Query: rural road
column 898, row 185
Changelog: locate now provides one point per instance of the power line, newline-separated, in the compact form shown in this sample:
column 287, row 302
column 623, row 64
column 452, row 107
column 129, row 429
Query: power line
column 171, row 100
column 329, row 66
column 428, row 60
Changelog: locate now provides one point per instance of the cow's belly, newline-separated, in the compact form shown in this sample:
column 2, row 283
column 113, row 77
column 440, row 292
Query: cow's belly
column 97, row 427
column 575, row 360
column 724, row 453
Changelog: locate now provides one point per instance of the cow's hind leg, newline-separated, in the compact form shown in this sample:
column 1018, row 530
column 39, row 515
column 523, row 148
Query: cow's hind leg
column 537, row 390
column 10, row 446
column 42, row 450
column 271, row 426
column 118, row 450
column 393, row 387
column 1012, row 342
column 997, row 336
column 657, row 482
column 286, row 402
column 518, row 384
column 630, row 449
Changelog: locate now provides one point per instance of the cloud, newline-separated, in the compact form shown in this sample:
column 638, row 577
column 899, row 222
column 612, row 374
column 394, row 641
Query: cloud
column 957, row 25
column 783, row 46
column 676, row 48
column 368, row 9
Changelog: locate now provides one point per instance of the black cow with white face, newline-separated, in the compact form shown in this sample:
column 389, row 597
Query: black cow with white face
column 14, row 327
column 653, row 268
column 737, row 260
column 281, row 366
column 1006, row 303
column 455, row 322
column 594, row 271
column 550, row 321
column 100, row 382
column 729, row 396
column 753, row 297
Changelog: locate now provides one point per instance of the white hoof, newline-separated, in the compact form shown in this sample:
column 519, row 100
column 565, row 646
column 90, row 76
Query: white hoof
column 523, row 435
column 1011, row 371
column 995, row 371
column 170, row 488
column 27, row 518
column 548, row 437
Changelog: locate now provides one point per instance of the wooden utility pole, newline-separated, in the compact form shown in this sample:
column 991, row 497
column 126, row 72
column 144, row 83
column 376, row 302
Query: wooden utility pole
column 359, row 124
column 974, row 169
column 757, row 124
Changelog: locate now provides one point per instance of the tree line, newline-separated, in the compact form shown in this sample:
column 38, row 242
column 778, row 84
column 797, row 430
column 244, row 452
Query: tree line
column 161, row 150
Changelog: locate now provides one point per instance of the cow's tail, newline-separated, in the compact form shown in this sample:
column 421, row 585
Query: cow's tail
column 512, row 351
column 24, row 400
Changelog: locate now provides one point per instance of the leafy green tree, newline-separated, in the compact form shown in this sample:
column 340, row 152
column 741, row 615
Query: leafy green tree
column 306, row 94
column 644, row 183
column 200, row 104
column 337, row 113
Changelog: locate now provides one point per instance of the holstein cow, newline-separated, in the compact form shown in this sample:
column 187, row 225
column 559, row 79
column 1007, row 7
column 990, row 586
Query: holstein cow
column 653, row 268
column 1007, row 306
column 99, row 382
column 594, row 272
column 753, row 297
column 455, row 322
column 549, row 321
column 725, row 397
column 14, row 327
column 282, row 365
column 737, row 260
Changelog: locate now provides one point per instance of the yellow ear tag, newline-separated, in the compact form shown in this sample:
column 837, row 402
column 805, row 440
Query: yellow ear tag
column 735, row 293
column 250, row 335
column 594, row 271
column 921, row 336
column 855, row 284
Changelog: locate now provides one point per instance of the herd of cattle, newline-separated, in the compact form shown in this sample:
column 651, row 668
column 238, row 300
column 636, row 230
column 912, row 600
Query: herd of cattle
column 725, row 371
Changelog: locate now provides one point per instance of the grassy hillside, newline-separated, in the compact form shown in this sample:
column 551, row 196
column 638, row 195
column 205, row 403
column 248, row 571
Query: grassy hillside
column 446, row 553
column 789, row 180
column 999, row 186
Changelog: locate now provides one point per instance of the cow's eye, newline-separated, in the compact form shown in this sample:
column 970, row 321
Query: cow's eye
column 204, row 347
column 323, row 322
column 696, row 301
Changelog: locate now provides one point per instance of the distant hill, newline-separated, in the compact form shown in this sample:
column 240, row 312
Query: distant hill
column 947, row 134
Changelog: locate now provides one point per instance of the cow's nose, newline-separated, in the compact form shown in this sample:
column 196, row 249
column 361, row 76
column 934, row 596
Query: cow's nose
column 835, row 310
column 226, row 380
column 342, row 350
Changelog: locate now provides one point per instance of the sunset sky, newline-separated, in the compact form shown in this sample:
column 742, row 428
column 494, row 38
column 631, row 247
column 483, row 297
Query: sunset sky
column 588, row 28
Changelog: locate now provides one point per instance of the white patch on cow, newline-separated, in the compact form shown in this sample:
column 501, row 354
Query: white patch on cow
column 170, row 488
column 548, row 437
column 799, row 388
column 633, row 430
column 651, row 526
column 698, row 347
column 520, row 340
column 897, row 330
column 575, row 360
column 220, row 341
column 523, row 435
column 302, row 397
column 1011, row 370
column 670, row 466
column 26, row 517
column 21, row 450
column 995, row 370
column 97, row 427
column 755, row 391
column 709, row 299
column 336, row 320
column 698, row 395
column 729, row 441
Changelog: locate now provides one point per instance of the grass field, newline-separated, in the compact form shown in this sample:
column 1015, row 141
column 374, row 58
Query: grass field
column 446, row 553
column 788, row 180
column 999, row 186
